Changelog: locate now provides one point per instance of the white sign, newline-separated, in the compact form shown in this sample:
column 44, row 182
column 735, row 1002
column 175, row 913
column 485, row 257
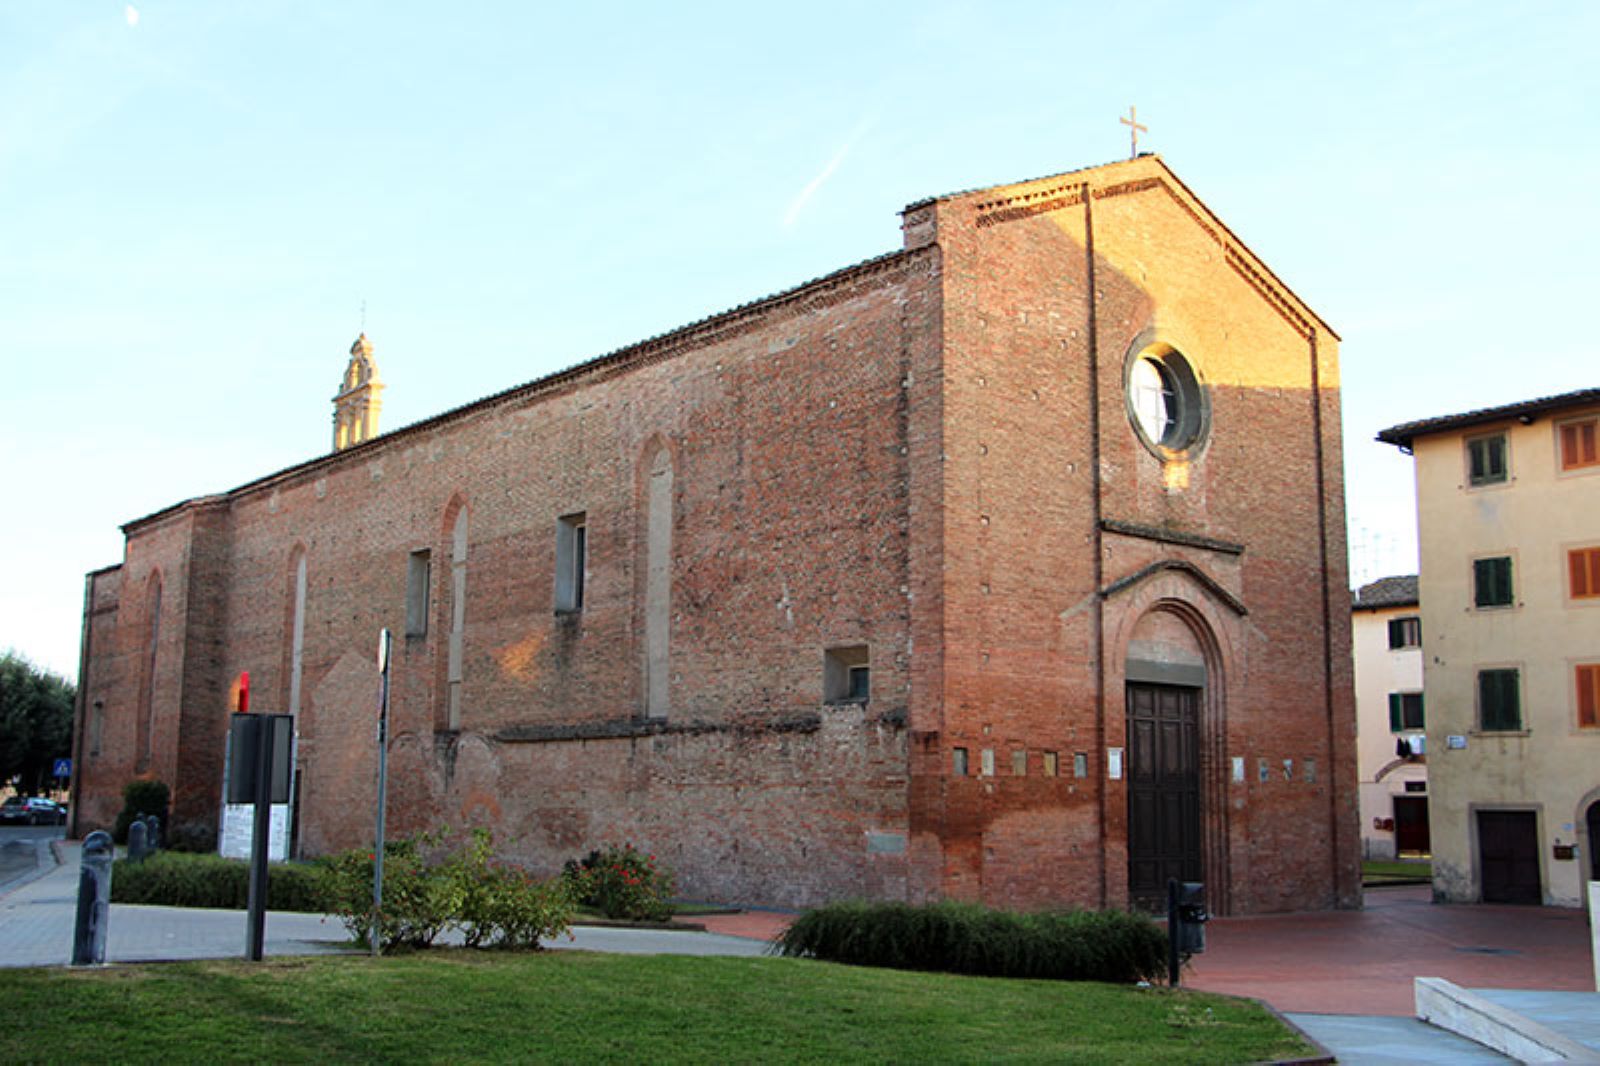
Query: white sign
column 238, row 825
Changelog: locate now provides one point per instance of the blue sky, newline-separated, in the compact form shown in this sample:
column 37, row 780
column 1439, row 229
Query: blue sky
column 198, row 198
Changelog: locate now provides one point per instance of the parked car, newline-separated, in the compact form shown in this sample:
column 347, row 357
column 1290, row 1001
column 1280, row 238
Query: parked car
column 32, row 810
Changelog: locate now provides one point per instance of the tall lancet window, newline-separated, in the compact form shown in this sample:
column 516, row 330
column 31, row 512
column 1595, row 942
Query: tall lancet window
column 147, row 694
column 297, row 628
column 658, row 585
column 458, row 620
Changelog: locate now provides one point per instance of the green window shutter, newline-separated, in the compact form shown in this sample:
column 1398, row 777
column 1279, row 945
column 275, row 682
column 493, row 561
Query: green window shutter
column 1395, row 722
column 1491, row 582
column 1498, row 701
column 1422, row 713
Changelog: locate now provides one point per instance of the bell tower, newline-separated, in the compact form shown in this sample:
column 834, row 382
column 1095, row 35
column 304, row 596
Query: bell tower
column 359, row 400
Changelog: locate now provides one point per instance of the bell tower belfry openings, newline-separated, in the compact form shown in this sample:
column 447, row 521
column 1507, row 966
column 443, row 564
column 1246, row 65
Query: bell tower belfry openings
column 359, row 400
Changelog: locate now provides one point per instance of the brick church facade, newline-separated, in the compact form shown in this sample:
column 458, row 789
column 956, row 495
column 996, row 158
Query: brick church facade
column 1005, row 566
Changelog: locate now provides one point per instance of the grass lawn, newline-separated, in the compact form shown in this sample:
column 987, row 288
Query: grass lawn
column 463, row 1006
column 1400, row 871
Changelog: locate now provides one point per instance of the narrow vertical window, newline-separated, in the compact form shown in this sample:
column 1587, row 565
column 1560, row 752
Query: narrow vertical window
column 419, row 575
column 958, row 762
column 1499, row 702
column 1051, row 764
column 147, row 722
column 297, row 631
column 1486, row 459
column 1588, row 696
column 1019, row 763
column 658, row 586
column 572, row 550
column 458, row 621
column 97, row 726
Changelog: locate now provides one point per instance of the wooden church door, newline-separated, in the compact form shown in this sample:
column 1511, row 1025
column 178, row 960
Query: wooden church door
column 1163, row 790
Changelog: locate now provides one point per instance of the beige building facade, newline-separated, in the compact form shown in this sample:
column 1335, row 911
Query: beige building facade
column 1508, row 506
column 1386, row 637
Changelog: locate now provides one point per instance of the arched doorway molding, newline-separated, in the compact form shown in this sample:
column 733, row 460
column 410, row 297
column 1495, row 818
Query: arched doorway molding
column 1588, row 816
column 1213, row 618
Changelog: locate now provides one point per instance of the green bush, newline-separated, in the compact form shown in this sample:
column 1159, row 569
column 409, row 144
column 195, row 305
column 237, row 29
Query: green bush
column 968, row 939
column 505, row 906
column 140, row 798
column 196, row 837
column 174, row 879
column 622, row 882
column 427, row 889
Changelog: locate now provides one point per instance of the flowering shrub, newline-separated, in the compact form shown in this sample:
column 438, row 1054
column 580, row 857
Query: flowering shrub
column 622, row 882
column 428, row 889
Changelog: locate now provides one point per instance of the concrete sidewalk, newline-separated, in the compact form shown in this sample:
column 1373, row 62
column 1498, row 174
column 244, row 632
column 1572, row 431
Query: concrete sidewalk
column 37, row 916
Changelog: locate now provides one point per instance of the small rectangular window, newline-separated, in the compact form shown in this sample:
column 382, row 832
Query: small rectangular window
column 1583, row 573
column 1578, row 445
column 1405, row 711
column 1080, row 764
column 1499, row 701
column 1486, row 459
column 1416, row 786
column 1051, row 765
column 846, row 674
column 1491, row 582
column 986, row 762
column 1405, row 632
column 958, row 762
column 419, row 577
column 1589, row 696
column 1019, row 763
column 572, row 561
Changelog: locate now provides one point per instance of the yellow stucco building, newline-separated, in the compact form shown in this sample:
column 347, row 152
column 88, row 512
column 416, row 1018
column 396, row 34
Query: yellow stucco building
column 1508, row 510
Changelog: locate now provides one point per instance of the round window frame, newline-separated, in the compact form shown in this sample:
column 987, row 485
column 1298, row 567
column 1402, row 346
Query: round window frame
column 1192, row 427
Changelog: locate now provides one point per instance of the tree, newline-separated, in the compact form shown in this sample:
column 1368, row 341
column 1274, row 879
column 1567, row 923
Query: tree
column 35, row 723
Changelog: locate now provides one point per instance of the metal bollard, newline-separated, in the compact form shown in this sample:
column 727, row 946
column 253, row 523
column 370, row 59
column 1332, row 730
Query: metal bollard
column 153, row 837
column 94, row 901
column 137, row 840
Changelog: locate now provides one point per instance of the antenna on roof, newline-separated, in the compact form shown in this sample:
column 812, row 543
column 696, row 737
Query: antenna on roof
column 1132, row 122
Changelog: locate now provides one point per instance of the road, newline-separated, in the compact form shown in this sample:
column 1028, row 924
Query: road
column 21, row 849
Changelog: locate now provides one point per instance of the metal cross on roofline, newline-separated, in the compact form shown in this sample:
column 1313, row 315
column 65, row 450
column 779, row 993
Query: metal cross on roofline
column 1132, row 121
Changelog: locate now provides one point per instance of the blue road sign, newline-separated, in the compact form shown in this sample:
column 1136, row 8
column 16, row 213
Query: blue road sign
column 63, row 768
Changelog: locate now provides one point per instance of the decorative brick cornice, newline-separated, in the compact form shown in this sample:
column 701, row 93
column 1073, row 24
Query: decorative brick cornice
column 627, row 728
column 1171, row 536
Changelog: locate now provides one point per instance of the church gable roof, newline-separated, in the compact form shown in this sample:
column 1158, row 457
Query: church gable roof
column 999, row 204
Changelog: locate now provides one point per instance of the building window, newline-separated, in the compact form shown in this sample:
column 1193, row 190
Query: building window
column 1165, row 402
column 958, row 762
column 1019, row 763
column 846, row 675
column 1578, row 445
column 1051, row 764
column 1583, row 573
column 1588, row 676
column 1486, row 459
column 1416, row 786
column 1499, row 702
column 1405, row 711
column 419, row 574
column 1491, row 582
column 572, row 559
column 1405, row 632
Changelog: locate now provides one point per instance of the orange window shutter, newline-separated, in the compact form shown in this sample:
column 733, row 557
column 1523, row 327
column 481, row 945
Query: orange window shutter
column 1589, row 696
column 1578, row 445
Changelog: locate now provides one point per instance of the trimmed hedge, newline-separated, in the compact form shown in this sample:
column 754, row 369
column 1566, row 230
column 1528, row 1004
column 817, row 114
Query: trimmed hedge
column 177, row 879
column 965, row 938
